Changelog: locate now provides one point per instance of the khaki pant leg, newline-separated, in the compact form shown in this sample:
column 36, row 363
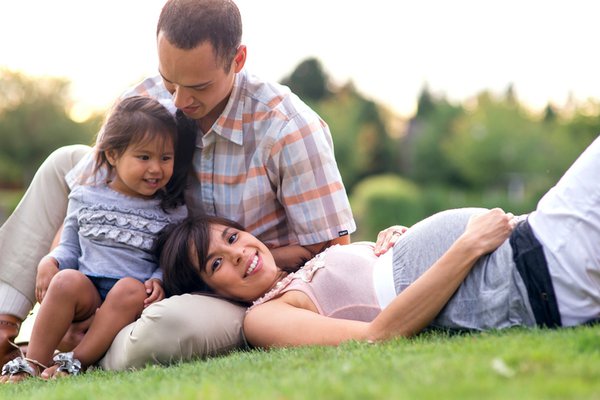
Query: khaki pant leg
column 180, row 328
column 27, row 234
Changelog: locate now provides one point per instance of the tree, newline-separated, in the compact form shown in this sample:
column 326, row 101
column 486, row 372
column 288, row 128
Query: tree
column 426, row 103
column 550, row 115
column 423, row 158
column 498, row 144
column 309, row 81
column 34, row 122
column 362, row 144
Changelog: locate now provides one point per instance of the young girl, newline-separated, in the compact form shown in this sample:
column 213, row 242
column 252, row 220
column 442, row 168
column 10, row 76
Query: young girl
column 463, row 269
column 104, row 266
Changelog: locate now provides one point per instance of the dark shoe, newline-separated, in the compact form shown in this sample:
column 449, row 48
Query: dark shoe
column 9, row 329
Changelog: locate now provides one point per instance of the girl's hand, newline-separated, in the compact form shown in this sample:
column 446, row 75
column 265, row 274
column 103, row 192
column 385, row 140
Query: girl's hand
column 47, row 268
column 387, row 238
column 487, row 231
column 154, row 290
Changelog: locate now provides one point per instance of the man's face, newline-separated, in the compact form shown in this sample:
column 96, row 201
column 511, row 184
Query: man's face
column 196, row 79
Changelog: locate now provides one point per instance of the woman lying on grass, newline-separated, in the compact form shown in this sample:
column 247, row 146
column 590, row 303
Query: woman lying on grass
column 465, row 268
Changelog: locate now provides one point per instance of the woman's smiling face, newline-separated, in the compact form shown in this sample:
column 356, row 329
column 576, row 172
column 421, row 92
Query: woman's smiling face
column 239, row 266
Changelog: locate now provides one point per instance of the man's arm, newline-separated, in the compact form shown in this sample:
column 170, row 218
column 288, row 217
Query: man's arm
column 296, row 255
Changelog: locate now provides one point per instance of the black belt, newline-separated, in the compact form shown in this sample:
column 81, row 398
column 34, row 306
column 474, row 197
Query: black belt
column 531, row 264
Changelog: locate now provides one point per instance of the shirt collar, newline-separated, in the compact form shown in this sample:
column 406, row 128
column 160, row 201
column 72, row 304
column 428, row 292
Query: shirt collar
column 229, row 123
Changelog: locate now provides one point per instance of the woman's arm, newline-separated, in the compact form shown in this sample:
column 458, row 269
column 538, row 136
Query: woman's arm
column 414, row 308
column 282, row 323
column 277, row 323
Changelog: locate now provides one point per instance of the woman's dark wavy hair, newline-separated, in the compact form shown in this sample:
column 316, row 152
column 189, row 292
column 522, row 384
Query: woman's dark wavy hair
column 137, row 119
column 183, row 246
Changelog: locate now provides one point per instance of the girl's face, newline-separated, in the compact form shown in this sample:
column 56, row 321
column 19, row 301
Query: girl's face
column 143, row 168
column 239, row 266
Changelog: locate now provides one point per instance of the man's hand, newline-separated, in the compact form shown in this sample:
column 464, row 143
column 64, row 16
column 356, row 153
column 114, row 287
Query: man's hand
column 291, row 257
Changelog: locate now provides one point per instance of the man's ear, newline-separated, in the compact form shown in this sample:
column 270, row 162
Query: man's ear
column 240, row 58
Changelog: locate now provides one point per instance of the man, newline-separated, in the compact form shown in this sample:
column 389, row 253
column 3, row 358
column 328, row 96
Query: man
column 263, row 158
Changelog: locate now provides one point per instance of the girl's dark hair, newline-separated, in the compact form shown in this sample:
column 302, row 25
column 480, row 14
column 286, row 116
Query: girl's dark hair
column 187, row 129
column 137, row 119
column 182, row 248
column 188, row 23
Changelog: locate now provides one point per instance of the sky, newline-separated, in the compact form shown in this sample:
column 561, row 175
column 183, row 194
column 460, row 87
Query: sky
column 389, row 49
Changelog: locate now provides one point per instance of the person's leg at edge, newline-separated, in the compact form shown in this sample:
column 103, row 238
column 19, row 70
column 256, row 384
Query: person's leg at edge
column 26, row 237
column 71, row 296
column 179, row 328
column 567, row 223
column 123, row 305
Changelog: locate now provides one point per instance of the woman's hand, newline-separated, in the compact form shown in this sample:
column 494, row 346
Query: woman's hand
column 155, row 291
column 47, row 268
column 417, row 305
column 487, row 231
column 387, row 238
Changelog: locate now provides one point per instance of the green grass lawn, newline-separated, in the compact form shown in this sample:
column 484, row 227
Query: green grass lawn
column 511, row 364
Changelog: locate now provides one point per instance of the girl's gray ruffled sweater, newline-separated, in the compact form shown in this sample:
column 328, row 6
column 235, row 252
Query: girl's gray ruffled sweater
column 109, row 234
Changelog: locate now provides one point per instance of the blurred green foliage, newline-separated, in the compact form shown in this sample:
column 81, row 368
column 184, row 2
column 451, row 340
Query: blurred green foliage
column 384, row 200
column 34, row 121
column 362, row 143
column 309, row 81
column 488, row 151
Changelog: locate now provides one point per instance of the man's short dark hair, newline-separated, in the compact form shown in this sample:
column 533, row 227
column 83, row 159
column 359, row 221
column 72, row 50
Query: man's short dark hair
column 188, row 23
